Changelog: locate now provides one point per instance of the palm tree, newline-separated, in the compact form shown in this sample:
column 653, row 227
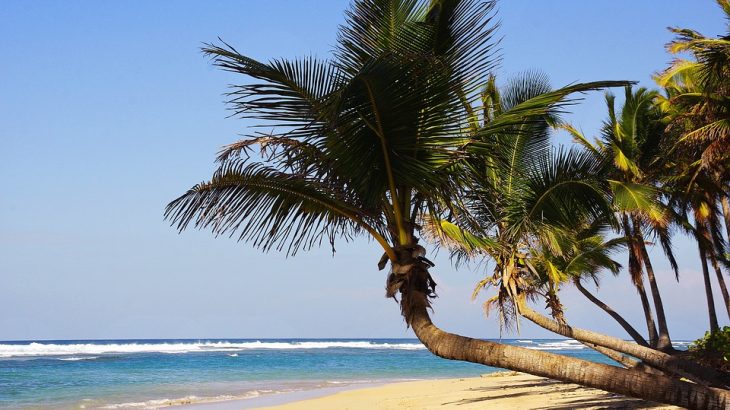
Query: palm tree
column 529, row 206
column 698, row 103
column 701, row 91
column 629, row 143
column 698, row 96
column 369, row 142
column 587, row 255
column 694, row 191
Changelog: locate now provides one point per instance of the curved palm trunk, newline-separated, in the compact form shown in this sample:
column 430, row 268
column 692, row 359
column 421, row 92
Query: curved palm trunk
column 618, row 318
column 416, row 287
column 600, row 376
column 654, row 358
column 664, row 342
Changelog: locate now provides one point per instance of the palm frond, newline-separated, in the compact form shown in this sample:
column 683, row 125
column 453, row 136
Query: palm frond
column 287, row 154
column 639, row 198
column 290, row 93
column 269, row 208
column 558, row 190
column 580, row 139
column 536, row 109
column 457, row 240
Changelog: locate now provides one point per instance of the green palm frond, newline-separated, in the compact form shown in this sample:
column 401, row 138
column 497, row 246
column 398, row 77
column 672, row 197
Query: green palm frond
column 581, row 139
column 680, row 71
column 698, row 100
column 376, row 27
column 269, row 208
column 546, row 105
column 457, row 240
column 368, row 140
column 632, row 137
column 637, row 198
column 289, row 93
column 713, row 131
column 555, row 191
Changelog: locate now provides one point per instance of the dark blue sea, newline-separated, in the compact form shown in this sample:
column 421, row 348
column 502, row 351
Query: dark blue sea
column 117, row 374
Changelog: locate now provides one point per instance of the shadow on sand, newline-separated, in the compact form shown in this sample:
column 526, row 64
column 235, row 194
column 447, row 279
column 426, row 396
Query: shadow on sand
column 567, row 393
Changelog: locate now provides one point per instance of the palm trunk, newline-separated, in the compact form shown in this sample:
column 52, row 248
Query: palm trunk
column 624, row 360
column 635, row 270
column 618, row 318
column 617, row 357
column 648, row 316
column 664, row 342
column 721, row 281
column 654, row 358
column 726, row 213
column 411, row 278
column 714, row 326
column 600, row 376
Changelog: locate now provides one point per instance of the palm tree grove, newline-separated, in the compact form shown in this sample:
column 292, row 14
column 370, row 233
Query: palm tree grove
column 405, row 135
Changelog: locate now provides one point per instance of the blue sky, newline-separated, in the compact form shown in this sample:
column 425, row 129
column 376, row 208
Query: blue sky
column 108, row 111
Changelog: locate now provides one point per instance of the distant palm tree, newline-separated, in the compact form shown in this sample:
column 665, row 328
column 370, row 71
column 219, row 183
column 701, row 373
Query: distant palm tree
column 368, row 143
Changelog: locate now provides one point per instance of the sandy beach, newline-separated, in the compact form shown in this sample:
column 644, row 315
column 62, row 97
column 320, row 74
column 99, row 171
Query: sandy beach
column 504, row 390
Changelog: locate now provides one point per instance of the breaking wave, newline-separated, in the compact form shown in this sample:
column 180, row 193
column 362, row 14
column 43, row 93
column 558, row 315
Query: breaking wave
column 43, row 349
column 76, row 359
column 567, row 344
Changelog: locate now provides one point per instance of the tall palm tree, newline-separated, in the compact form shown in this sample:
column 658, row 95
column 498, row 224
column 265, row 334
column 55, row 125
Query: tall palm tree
column 693, row 191
column 370, row 141
column 629, row 143
column 702, row 90
column 698, row 102
column 698, row 96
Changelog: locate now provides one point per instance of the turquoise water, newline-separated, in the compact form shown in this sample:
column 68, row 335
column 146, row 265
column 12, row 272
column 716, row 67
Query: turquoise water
column 147, row 373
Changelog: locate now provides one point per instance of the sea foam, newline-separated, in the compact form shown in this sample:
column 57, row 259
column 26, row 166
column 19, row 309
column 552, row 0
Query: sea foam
column 568, row 344
column 36, row 349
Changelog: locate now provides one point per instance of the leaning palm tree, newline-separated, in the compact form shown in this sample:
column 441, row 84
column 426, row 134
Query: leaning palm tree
column 369, row 142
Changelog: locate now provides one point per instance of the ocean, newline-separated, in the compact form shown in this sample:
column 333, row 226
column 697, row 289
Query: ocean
column 147, row 374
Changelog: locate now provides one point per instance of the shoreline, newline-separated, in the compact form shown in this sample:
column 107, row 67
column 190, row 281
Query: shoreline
column 497, row 390
column 278, row 399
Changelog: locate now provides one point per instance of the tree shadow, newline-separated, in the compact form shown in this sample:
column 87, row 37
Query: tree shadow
column 513, row 385
column 487, row 398
column 607, row 401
